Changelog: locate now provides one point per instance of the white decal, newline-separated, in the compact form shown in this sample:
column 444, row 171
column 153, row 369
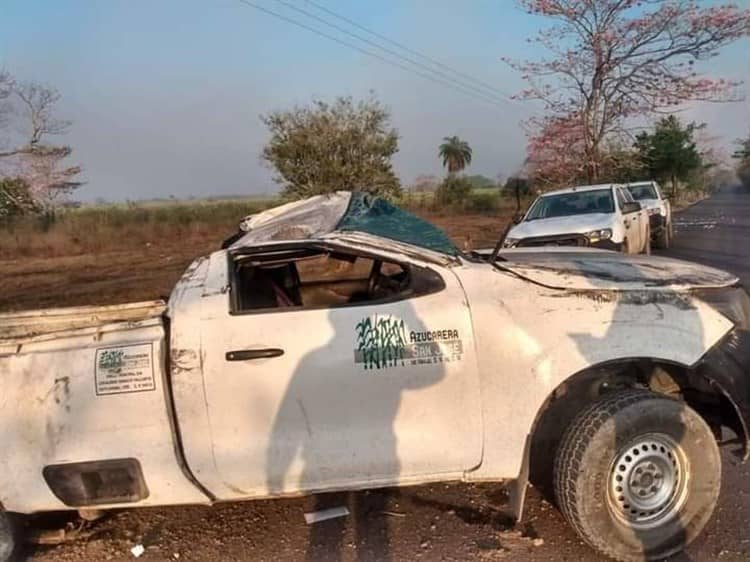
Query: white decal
column 128, row 368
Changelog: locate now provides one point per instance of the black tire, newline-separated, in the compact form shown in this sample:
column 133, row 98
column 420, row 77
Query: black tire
column 663, row 239
column 625, row 249
column 647, row 243
column 585, row 475
column 8, row 536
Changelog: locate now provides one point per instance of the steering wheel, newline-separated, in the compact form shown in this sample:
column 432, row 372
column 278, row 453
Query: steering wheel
column 374, row 280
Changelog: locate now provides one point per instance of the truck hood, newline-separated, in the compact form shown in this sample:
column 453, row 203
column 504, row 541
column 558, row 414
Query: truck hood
column 598, row 270
column 575, row 224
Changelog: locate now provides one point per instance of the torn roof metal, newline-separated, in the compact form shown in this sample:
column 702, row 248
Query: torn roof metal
column 343, row 212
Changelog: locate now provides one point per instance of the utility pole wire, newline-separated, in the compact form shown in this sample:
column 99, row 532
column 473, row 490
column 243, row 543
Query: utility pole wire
column 430, row 77
column 410, row 50
column 491, row 93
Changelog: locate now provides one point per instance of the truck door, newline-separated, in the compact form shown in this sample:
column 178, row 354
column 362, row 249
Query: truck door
column 633, row 222
column 324, row 369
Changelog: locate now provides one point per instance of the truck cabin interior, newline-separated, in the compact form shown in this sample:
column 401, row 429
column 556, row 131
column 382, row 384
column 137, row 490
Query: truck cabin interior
column 321, row 278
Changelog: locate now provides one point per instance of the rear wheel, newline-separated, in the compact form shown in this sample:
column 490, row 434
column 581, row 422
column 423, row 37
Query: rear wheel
column 637, row 475
column 647, row 242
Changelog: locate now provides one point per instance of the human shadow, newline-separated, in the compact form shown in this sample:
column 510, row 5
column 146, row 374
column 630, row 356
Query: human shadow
column 334, row 429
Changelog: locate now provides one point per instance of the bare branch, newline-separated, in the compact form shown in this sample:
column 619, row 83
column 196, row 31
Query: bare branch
column 38, row 102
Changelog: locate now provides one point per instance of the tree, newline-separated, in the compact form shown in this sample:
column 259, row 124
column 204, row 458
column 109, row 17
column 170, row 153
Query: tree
column 742, row 155
column 556, row 153
column 743, row 149
column 39, row 164
column 456, row 154
column 6, row 88
column 518, row 186
column 424, row 183
column 613, row 60
column 15, row 199
column 478, row 181
column 453, row 190
column 670, row 152
column 556, row 157
column 326, row 147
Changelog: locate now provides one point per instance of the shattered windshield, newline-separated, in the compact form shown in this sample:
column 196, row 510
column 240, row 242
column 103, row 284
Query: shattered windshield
column 377, row 216
column 643, row 191
column 573, row 203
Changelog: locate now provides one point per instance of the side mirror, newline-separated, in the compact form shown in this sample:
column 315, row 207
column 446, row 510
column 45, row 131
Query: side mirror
column 517, row 218
column 631, row 207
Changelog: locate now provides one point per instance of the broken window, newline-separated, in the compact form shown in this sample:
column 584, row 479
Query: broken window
column 317, row 278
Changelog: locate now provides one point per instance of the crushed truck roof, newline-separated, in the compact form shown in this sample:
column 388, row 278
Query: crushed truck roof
column 321, row 216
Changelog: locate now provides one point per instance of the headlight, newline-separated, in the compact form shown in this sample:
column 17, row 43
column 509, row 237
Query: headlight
column 510, row 242
column 597, row 235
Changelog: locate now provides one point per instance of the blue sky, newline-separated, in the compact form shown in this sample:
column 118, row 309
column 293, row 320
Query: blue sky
column 165, row 95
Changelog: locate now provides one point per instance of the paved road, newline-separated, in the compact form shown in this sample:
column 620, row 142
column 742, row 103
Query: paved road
column 716, row 232
column 439, row 522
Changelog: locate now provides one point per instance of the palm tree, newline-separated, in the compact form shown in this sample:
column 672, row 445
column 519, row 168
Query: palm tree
column 456, row 154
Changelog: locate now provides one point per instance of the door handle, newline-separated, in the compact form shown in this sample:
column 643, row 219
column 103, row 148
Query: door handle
column 249, row 354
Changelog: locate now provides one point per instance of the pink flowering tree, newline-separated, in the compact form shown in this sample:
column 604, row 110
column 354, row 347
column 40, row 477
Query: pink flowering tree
column 615, row 60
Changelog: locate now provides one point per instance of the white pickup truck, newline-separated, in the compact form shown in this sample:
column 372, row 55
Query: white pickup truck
column 341, row 343
column 651, row 197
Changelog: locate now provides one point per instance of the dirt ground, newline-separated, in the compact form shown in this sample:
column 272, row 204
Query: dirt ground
column 446, row 522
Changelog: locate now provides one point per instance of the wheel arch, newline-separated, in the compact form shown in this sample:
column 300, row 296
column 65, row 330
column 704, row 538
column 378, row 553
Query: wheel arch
column 707, row 397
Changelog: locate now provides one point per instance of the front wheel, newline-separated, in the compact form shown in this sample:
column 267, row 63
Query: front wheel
column 637, row 475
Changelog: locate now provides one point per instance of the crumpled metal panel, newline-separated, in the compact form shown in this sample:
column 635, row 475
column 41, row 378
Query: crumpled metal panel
column 309, row 218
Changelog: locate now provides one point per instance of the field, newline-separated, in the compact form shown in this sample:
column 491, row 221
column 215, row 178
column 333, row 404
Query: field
column 119, row 253
column 115, row 254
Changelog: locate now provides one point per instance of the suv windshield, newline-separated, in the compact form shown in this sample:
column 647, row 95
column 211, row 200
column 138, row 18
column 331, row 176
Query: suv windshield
column 642, row 191
column 573, row 203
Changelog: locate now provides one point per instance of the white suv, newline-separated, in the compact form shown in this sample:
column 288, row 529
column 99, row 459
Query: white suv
column 651, row 198
column 603, row 216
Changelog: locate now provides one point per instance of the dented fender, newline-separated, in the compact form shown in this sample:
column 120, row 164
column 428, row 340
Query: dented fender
column 726, row 367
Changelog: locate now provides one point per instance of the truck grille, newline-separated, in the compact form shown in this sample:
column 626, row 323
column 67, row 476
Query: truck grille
column 558, row 240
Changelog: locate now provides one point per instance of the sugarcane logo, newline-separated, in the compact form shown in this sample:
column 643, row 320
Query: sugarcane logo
column 381, row 342
column 111, row 359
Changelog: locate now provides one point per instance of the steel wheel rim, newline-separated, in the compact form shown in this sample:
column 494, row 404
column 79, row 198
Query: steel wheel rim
column 648, row 481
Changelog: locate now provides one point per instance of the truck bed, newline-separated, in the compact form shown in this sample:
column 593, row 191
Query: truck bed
column 85, row 390
column 21, row 327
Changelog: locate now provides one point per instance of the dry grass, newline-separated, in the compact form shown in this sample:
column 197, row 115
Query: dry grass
column 94, row 230
column 100, row 229
column 106, row 255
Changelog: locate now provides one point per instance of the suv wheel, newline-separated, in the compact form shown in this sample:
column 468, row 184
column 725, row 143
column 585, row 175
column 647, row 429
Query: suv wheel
column 637, row 475
column 664, row 237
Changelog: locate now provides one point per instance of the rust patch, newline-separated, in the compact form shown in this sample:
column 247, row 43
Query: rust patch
column 183, row 361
